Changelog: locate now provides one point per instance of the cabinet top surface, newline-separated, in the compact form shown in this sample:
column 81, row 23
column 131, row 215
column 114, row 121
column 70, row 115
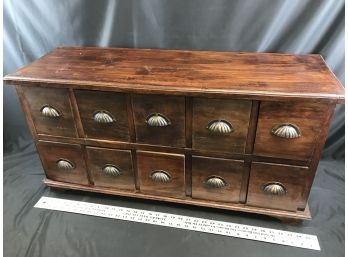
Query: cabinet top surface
column 251, row 75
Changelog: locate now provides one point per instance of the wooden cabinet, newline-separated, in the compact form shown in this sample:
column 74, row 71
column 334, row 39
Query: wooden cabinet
column 236, row 131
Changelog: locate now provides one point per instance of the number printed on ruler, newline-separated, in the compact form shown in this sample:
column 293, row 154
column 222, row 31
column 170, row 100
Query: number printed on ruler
column 184, row 222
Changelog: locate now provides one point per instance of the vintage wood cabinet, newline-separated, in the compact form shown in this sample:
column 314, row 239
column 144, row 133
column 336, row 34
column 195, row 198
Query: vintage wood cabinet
column 237, row 131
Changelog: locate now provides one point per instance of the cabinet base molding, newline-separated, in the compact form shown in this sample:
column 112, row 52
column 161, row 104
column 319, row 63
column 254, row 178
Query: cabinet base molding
column 286, row 216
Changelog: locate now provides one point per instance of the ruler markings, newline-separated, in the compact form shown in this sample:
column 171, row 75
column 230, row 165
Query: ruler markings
column 183, row 222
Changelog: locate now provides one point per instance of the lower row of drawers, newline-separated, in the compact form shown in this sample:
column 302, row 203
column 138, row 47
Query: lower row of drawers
column 269, row 185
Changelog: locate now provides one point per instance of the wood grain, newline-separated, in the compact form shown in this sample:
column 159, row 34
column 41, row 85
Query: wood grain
column 122, row 159
column 308, row 117
column 115, row 104
column 173, row 164
column 292, row 177
column 316, row 155
column 172, row 107
column 57, row 98
column 261, row 76
column 236, row 112
column 51, row 152
column 231, row 171
column 26, row 110
column 301, row 215
column 252, row 91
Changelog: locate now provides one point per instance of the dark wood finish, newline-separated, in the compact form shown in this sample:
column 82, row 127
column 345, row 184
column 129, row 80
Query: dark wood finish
column 122, row 159
column 58, row 98
column 136, row 171
column 51, row 152
column 254, row 114
column 90, row 102
column 172, row 107
column 316, row 155
column 188, row 174
column 231, row 171
column 26, row 111
column 253, row 91
column 236, row 112
column 303, row 215
column 146, row 147
column 76, row 114
column 258, row 76
column 130, row 118
column 188, row 121
column 173, row 164
column 292, row 177
column 309, row 117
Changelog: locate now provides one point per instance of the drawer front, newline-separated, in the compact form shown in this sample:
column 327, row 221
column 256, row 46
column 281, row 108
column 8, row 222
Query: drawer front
column 50, row 109
column 159, row 120
column 289, row 130
column 103, row 114
column 161, row 174
column 217, row 179
column 63, row 162
column 111, row 168
column 220, row 125
column 276, row 186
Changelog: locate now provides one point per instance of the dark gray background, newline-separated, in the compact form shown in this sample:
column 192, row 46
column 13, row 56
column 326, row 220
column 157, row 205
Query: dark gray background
column 33, row 28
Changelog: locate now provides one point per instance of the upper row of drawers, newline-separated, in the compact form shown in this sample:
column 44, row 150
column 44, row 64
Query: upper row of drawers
column 218, row 125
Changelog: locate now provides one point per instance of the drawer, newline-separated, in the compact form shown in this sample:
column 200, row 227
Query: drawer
column 111, row 168
column 220, row 125
column 289, row 130
column 51, row 111
column 217, row 179
column 159, row 120
column 103, row 114
column 161, row 174
column 63, row 162
column 276, row 186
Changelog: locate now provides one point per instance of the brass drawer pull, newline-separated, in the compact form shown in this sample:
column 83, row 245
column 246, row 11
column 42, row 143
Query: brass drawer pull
column 160, row 176
column 274, row 188
column 215, row 182
column 64, row 164
column 220, row 126
column 112, row 170
column 157, row 120
column 49, row 111
column 103, row 117
column 286, row 130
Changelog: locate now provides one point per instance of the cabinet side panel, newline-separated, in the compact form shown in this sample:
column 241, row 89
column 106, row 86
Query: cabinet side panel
column 26, row 111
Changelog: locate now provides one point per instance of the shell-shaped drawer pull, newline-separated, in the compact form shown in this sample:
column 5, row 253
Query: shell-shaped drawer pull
column 160, row 176
column 50, row 112
column 64, row 164
column 274, row 188
column 103, row 117
column 112, row 170
column 157, row 120
column 220, row 126
column 215, row 182
column 286, row 130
